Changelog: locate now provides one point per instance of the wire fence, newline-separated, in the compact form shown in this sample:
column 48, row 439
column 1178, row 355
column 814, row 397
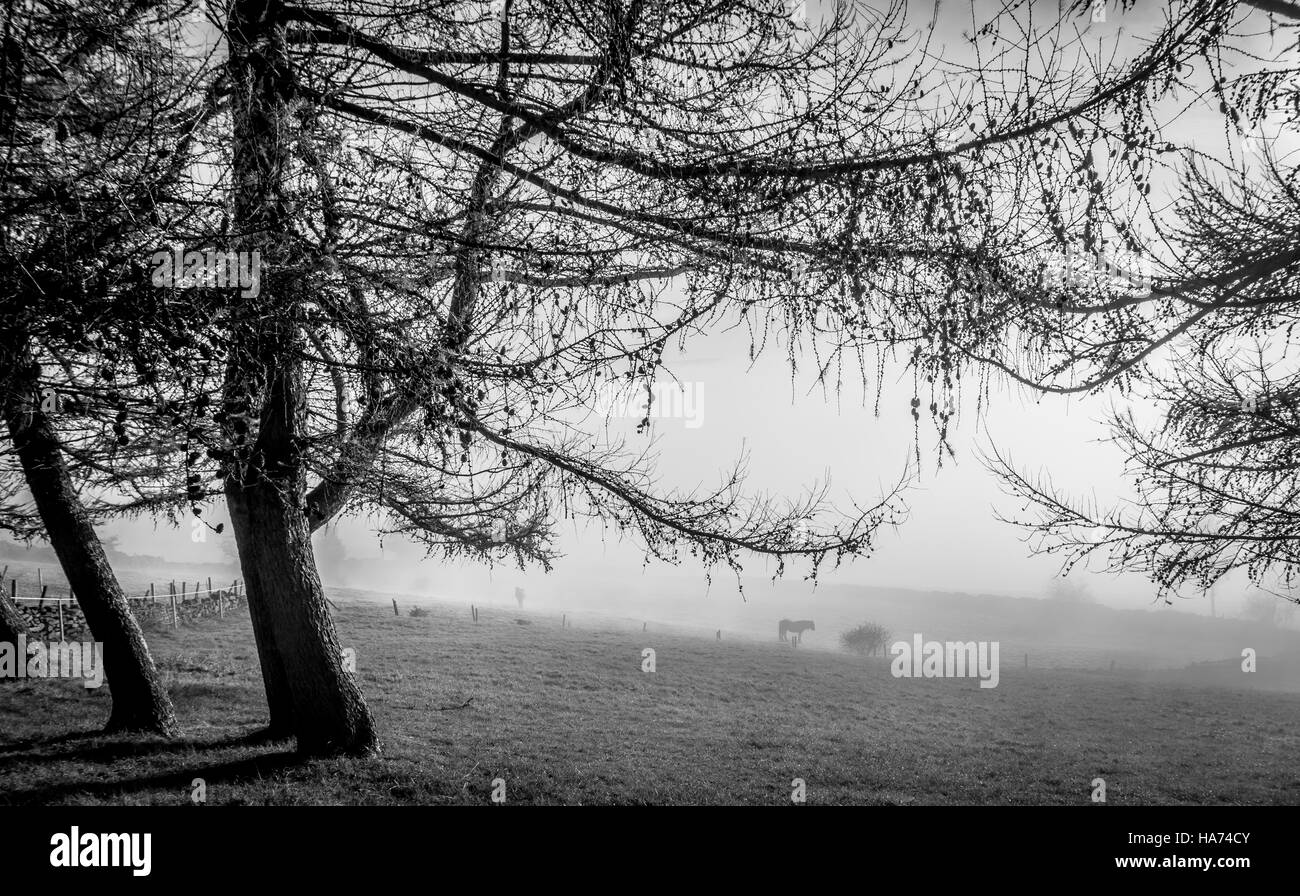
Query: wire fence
column 58, row 614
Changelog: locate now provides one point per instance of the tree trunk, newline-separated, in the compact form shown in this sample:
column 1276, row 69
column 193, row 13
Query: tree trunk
column 302, row 659
column 12, row 622
column 140, row 703
column 328, row 713
column 267, row 486
column 279, row 699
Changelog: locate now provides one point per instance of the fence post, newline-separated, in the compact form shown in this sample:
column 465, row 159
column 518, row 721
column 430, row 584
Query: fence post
column 395, row 612
column 40, row 578
column 176, row 619
column 61, row 637
column 13, row 587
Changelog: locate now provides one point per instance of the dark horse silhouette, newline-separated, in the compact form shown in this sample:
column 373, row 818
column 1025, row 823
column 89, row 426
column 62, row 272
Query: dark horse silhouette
column 796, row 628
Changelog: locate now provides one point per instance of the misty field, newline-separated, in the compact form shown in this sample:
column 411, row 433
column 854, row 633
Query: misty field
column 566, row 715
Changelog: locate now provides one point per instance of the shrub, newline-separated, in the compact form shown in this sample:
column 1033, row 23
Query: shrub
column 419, row 611
column 868, row 638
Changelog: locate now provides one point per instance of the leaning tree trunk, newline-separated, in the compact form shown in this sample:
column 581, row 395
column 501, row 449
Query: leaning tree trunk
column 12, row 622
column 329, row 713
column 267, row 486
column 265, row 496
column 275, row 681
column 140, row 703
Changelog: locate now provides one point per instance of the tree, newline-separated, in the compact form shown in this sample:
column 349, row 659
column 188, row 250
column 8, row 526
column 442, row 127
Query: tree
column 1208, row 344
column 89, row 117
column 486, row 235
column 12, row 623
column 461, row 246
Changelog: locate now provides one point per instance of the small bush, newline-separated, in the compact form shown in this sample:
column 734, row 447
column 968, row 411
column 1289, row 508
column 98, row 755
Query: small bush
column 869, row 638
column 419, row 611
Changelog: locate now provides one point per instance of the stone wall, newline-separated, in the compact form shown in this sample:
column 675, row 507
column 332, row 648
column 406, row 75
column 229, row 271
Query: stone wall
column 43, row 617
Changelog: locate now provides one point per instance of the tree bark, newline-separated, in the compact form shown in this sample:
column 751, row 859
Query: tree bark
column 328, row 712
column 140, row 703
column 297, row 641
column 12, row 622
column 279, row 699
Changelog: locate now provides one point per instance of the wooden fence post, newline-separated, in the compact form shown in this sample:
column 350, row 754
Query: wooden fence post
column 564, row 620
column 61, row 637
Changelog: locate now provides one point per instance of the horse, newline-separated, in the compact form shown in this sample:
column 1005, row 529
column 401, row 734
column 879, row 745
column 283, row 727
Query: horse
column 796, row 628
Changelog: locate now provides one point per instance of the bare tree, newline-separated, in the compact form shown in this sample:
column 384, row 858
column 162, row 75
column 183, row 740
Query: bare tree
column 470, row 223
column 95, row 100
column 1208, row 345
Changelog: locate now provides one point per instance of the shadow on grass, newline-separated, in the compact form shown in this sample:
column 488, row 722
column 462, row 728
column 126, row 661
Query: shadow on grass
column 118, row 746
column 234, row 772
column 19, row 746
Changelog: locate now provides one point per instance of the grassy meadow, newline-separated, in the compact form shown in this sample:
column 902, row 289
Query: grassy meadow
column 565, row 715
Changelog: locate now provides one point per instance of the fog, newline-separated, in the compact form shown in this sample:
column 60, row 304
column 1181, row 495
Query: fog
column 792, row 435
column 792, row 432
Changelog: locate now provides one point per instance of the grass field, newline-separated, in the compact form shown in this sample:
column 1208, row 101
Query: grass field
column 566, row 715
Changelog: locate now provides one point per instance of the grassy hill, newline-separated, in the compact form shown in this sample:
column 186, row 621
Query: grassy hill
column 566, row 715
